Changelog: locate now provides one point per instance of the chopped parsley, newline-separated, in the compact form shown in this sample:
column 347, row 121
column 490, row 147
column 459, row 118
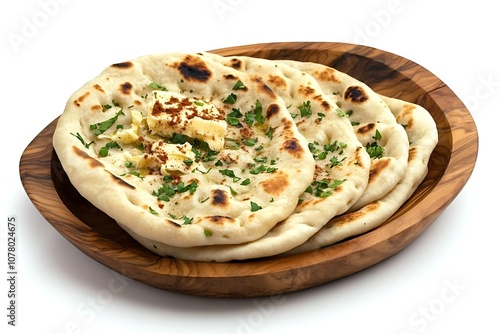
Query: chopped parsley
column 231, row 99
column 186, row 220
column 101, row 127
column 322, row 152
column 245, row 182
column 80, row 138
column 374, row 149
column 323, row 188
column 305, row 109
column 320, row 116
column 341, row 113
column 239, row 85
column 233, row 118
column 230, row 173
column 250, row 142
column 262, row 169
column 255, row 115
column 106, row 107
column 254, row 206
column 168, row 190
column 137, row 174
column 154, row 85
column 103, row 152
column 200, row 148
column 270, row 133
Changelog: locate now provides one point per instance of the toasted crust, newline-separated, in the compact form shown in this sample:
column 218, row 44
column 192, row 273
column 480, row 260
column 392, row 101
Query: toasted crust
column 216, row 201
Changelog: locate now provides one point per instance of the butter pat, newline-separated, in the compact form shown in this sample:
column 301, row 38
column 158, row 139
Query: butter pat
column 170, row 113
column 168, row 158
column 127, row 136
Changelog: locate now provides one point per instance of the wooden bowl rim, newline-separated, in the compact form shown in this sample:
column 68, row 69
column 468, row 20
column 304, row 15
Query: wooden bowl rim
column 433, row 204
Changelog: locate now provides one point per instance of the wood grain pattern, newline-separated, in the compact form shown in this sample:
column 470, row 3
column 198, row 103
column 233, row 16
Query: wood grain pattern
column 450, row 167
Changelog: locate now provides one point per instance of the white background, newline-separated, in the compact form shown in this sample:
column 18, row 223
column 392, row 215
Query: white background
column 445, row 282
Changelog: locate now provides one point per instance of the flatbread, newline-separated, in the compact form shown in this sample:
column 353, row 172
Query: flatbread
column 373, row 122
column 210, row 158
column 123, row 153
column 423, row 137
column 341, row 171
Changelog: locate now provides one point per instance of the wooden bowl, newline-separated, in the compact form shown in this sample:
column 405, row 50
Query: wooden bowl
column 450, row 166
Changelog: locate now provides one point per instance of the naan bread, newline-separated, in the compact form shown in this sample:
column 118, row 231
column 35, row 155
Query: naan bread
column 210, row 158
column 341, row 171
column 124, row 148
column 423, row 137
column 374, row 124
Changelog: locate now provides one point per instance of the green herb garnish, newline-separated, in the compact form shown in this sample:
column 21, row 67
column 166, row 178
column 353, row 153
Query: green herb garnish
column 323, row 188
column 255, row 115
column 103, row 152
column 169, row 190
column 305, row 109
column 101, row 127
column 233, row 117
column 80, row 138
column 239, row 85
column 231, row 99
column 254, row 206
column 154, row 85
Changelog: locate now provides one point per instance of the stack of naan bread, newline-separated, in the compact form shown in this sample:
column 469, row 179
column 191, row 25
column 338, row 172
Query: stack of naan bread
column 210, row 158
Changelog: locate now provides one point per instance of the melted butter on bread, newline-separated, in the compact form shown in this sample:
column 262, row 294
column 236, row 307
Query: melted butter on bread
column 129, row 135
column 169, row 157
column 170, row 113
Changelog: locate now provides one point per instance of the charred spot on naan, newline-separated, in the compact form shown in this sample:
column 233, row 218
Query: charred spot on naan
column 377, row 168
column 355, row 94
column 123, row 65
column 413, row 154
column 126, row 88
column 352, row 217
column 405, row 117
column 171, row 222
column 272, row 110
column 235, row 63
column 78, row 102
column 306, row 90
column 99, row 88
column 263, row 88
column 366, row 128
column 325, row 105
column 293, row 147
column 276, row 81
column 231, row 77
column 91, row 162
column 358, row 157
column 120, row 181
column 277, row 184
column 327, row 75
column 193, row 69
column 220, row 220
column 219, row 198
column 96, row 164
